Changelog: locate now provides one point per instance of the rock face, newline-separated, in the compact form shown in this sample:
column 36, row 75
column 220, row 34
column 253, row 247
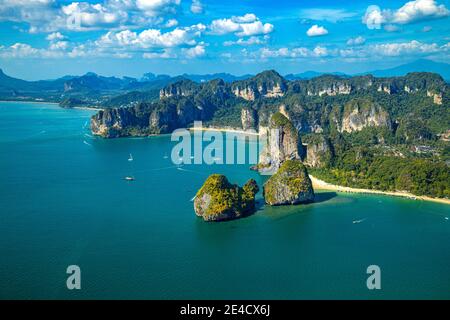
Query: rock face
column 320, row 105
column 318, row 152
column 249, row 119
column 112, row 123
column 182, row 88
column 219, row 200
column 283, row 143
column 437, row 97
column 268, row 84
column 359, row 114
column 290, row 185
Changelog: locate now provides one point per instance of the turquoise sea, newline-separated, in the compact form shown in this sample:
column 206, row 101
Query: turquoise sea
column 63, row 201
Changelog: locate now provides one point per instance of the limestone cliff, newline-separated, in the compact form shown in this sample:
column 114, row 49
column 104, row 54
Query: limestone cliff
column 437, row 97
column 249, row 119
column 219, row 200
column 319, row 151
column 290, row 185
column 362, row 113
column 268, row 84
column 282, row 143
column 112, row 123
column 182, row 88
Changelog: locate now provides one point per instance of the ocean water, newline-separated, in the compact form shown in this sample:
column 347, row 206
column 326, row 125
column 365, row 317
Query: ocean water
column 64, row 202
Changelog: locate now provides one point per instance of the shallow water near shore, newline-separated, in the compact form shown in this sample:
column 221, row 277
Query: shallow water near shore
column 64, row 201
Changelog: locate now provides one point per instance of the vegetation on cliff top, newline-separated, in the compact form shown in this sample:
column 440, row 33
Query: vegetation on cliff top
column 218, row 199
column 289, row 185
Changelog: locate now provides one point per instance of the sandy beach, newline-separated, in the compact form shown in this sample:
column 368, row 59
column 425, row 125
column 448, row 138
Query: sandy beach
column 253, row 133
column 322, row 185
column 87, row 108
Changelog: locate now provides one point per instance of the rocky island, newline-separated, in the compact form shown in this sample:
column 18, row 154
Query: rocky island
column 219, row 200
column 289, row 185
column 282, row 143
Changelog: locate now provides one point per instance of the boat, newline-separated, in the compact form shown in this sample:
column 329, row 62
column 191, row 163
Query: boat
column 129, row 178
column 130, row 158
column 358, row 221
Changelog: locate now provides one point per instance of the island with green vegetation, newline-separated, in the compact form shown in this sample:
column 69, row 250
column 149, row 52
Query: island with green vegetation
column 289, row 185
column 219, row 200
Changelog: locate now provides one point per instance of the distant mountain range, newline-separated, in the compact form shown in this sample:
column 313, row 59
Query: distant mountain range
column 95, row 89
column 421, row 65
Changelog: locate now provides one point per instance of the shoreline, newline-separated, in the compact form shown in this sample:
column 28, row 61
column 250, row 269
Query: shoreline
column 322, row 185
column 29, row 101
column 253, row 133
column 84, row 108
column 53, row 103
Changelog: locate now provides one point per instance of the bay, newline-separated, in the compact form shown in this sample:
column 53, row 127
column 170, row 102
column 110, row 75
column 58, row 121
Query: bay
column 64, row 201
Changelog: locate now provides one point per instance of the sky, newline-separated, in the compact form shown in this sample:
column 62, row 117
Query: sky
column 46, row 39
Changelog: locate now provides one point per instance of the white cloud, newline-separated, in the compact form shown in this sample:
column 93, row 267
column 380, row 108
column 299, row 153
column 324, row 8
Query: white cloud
column 59, row 45
column 391, row 28
column 418, row 10
column 55, row 36
column 171, row 23
column 412, row 11
column 320, row 14
column 195, row 52
column 157, row 7
column 299, row 52
column 404, row 48
column 412, row 48
column 316, row 30
column 152, row 38
column 242, row 26
column 52, row 15
column 196, row 6
column 22, row 50
column 254, row 28
column 247, row 18
column 356, row 41
column 253, row 40
column 165, row 54
column 320, row 51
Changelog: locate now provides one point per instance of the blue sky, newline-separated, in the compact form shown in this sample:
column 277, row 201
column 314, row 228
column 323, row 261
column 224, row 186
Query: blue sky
column 42, row 39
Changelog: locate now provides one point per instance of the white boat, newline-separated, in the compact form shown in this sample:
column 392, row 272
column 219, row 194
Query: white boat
column 130, row 158
column 129, row 178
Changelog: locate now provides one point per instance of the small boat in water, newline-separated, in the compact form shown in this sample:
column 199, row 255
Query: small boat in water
column 129, row 178
column 130, row 158
column 358, row 221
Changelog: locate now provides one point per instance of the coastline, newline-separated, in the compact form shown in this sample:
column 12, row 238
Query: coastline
column 29, row 101
column 53, row 103
column 85, row 108
column 253, row 133
column 322, row 185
